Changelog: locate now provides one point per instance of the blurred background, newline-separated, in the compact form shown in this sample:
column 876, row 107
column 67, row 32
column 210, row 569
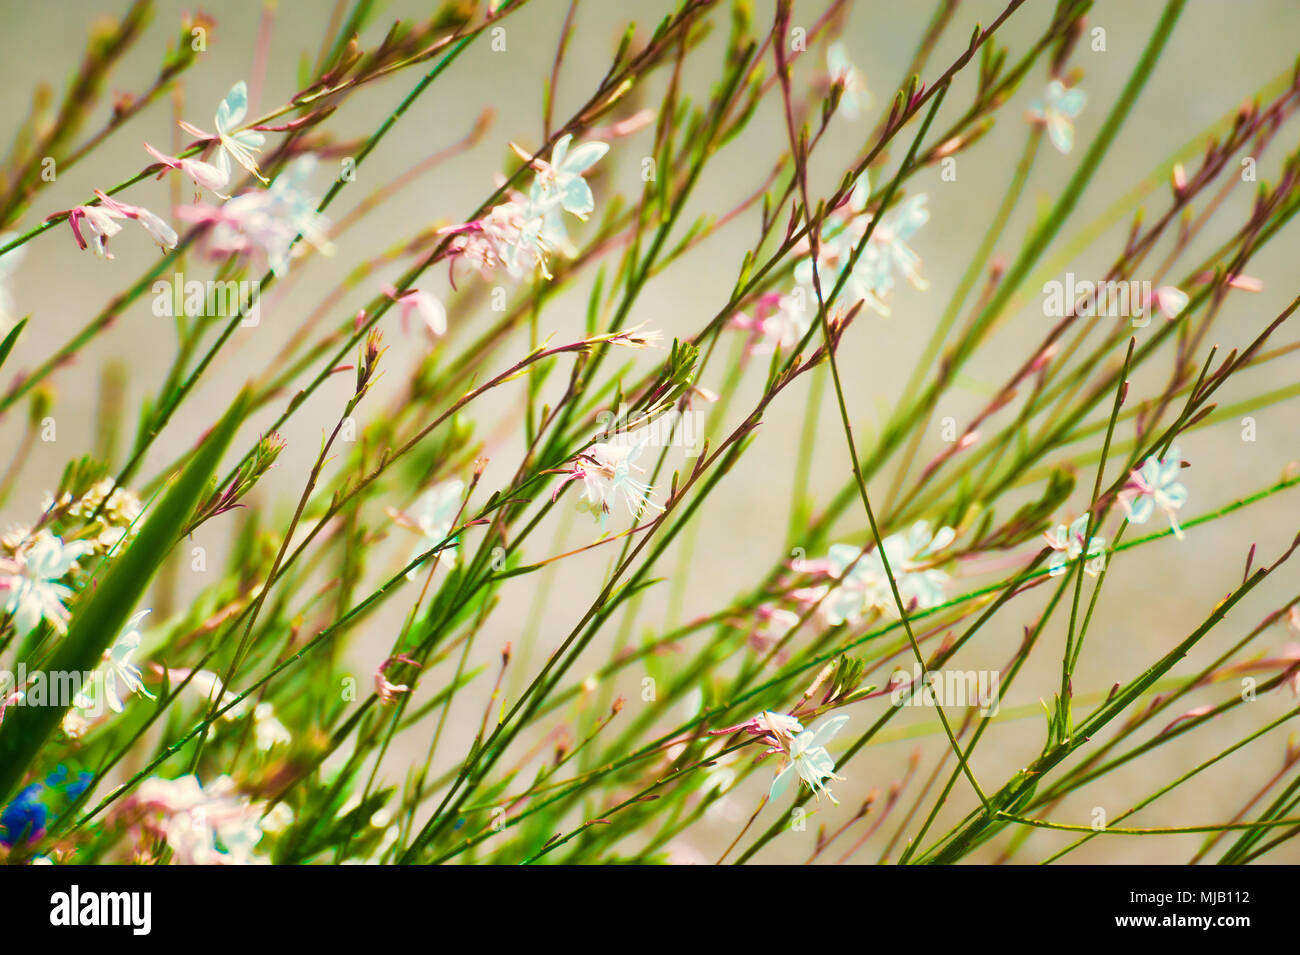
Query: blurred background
column 1219, row 55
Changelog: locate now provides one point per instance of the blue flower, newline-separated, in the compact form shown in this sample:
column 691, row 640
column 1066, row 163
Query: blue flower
column 24, row 817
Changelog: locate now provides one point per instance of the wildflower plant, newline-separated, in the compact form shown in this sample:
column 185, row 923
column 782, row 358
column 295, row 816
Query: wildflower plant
column 350, row 588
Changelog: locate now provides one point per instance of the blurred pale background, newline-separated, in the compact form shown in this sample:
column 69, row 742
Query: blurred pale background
column 1219, row 54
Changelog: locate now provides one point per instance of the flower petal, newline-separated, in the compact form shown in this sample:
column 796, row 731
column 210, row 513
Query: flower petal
column 233, row 108
column 781, row 783
column 824, row 731
column 584, row 157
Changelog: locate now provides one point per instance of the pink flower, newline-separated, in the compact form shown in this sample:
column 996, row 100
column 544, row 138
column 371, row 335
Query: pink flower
column 1170, row 300
column 202, row 825
column 1244, row 283
column 775, row 729
column 204, row 174
column 772, row 625
column 423, row 304
column 99, row 222
column 386, row 691
column 267, row 220
column 779, row 322
column 509, row 236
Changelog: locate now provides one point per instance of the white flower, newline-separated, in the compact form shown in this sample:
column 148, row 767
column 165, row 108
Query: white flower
column 606, row 474
column 267, row 730
column 560, row 181
column 9, row 263
column 269, row 220
column 434, row 517
column 809, row 760
column 889, row 248
column 559, row 187
column 1057, row 110
column 118, row 668
column 1155, row 484
column 855, row 99
column 35, row 594
column 1068, row 544
column 866, row 585
column 238, row 146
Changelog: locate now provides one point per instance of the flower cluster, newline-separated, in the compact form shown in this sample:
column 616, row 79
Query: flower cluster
column 871, row 276
column 35, row 564
column 267, row 221
column 201, row 825
column 867, row 275
column 861, row 584
column 114, row 509
column 522, row 233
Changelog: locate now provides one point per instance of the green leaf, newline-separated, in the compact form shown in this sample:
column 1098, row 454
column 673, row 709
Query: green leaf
column 7, row 345
column 108, row 603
